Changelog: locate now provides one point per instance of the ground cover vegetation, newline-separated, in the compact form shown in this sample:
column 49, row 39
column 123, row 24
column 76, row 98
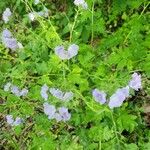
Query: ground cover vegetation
column 75, row 75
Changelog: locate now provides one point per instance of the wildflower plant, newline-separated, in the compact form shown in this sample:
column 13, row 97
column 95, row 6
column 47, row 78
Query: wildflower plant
column 74, row 75
column 6, row 15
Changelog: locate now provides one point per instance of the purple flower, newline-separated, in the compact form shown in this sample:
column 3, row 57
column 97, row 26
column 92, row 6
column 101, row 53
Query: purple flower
column 124, row 90
column 24, row 92
column 99, row 96
column 72, row 50
column 61, row 95
column 67, row 96
column 18, row 121
column 8, row 40
column 118, row 97
column 49, row 110
column 135, row 83
column 12, row 122
column 7, row 87
column 6, row 15
column 15, row 90
column 56, row 93
column 85, row 5
column 43, row 92
column 65, row 115
column 81, row 3
column 63, row 54
column 9, row 119
column 6, row 33
column 10, row 43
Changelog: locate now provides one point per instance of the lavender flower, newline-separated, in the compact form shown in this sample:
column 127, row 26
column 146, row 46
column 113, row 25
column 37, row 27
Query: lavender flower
column 6, row 33
column 81, row 3
column 8, row 40
column 15, row 90
column 10, row 43
column 99, row 96
column 6, row 15
column 18, row 121
column 67, row 96
column 7, row 87
column 13, row 122
column 72, row 50
column 85, row 5
column 63, row 54
column 61, row 95
column 56, row 93
column 49, row 110
column 124, row 90
column 65, row 115
column 24, row 92
column 10, row 119
column 135, row 83
column 44, row 90
column 118, row 97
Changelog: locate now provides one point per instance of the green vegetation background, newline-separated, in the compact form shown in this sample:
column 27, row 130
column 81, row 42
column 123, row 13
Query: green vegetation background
column 114, row 41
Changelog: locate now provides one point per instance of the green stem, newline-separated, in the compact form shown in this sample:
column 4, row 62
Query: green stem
column 100, row 145
column 115, row 130
column 92, row 36
column 64, row 73
column 73, row 26
column 143, row 10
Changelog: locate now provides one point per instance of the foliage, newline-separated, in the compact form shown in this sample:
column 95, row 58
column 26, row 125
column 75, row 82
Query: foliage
column 114, row 41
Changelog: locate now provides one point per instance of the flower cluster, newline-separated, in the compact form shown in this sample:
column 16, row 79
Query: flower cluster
column 81, row 3
column 15, row 90
column 10, row 120
column 64, row 96
column 63, row 54
column 61, row 95
column 6, row 15
column 135, row 82
column 9, row 41
column 61, row 114
column 117, row 99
